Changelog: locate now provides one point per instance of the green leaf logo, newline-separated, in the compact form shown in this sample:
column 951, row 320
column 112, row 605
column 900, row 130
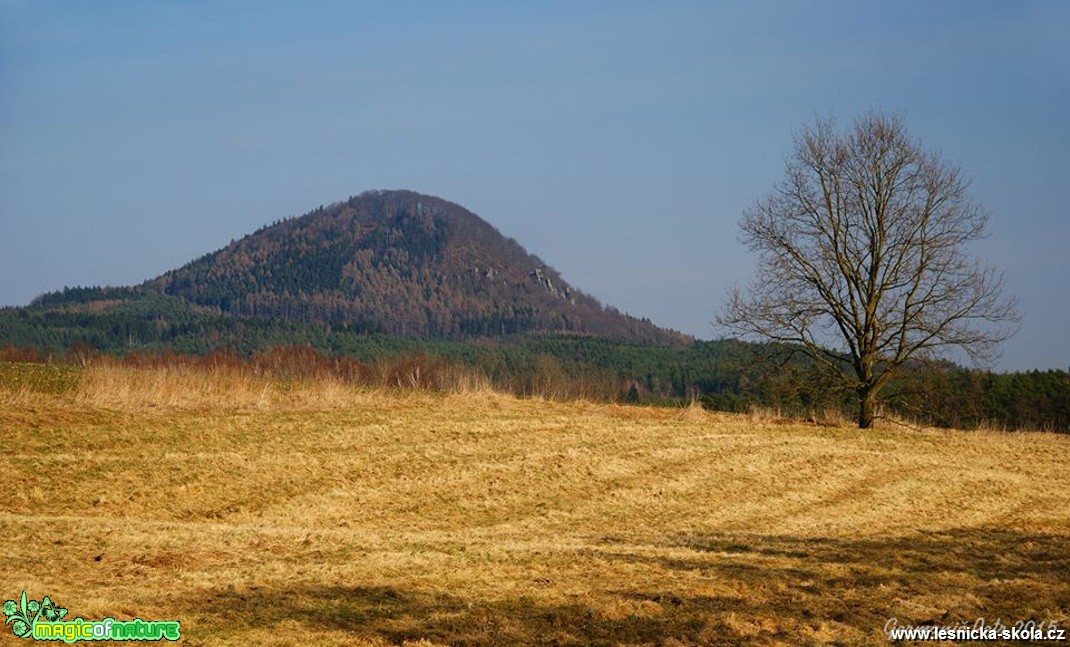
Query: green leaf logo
column 22, row 616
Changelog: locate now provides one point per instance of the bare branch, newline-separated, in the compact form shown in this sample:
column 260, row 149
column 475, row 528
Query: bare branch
column 863, row 258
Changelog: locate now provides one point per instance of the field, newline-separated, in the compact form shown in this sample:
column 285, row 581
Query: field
column 259, row 512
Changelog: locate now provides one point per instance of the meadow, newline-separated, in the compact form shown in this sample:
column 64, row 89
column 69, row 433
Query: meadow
column 263, row 511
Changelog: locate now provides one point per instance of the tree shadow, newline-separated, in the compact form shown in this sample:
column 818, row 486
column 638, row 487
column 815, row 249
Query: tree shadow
column 770, row 590
column 943, row 578
column 399, row 616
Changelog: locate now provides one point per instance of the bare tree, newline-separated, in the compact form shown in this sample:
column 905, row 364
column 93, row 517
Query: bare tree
column 863, row 258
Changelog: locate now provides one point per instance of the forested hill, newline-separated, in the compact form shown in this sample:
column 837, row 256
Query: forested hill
column 401, row 263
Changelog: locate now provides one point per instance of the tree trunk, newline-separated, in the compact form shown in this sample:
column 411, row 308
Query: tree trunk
column 867, row 398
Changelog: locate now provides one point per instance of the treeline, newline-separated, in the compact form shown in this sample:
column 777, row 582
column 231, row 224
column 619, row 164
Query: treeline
column 132, row 321
column 722, row 375
column 520, row 374
column 940, row 395
column 952, row 396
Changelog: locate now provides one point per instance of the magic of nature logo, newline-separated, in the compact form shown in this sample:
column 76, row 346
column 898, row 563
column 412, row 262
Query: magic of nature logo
column 44, row 620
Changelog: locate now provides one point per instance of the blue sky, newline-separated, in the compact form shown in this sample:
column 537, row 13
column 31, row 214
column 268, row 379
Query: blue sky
column 618, row 141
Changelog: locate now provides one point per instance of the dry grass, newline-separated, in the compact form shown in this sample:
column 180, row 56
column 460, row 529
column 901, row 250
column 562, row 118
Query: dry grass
column 262, row 512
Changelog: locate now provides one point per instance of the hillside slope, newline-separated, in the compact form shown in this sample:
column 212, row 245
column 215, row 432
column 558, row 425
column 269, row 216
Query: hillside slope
column 398, row 262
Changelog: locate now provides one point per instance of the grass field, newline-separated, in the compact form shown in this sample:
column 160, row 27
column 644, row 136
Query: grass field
column 257, row 512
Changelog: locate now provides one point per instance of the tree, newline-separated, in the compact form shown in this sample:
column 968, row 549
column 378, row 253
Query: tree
column 863, row 260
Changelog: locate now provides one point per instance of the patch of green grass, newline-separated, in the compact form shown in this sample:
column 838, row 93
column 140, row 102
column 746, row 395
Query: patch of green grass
column 39, row 378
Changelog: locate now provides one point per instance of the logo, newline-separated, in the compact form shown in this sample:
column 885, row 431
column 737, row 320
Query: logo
column 43, row 620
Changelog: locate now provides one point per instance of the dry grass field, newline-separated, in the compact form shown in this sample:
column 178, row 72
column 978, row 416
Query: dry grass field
column 259, row 512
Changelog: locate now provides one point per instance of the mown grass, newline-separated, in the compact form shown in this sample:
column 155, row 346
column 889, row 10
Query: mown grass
column 316, row 513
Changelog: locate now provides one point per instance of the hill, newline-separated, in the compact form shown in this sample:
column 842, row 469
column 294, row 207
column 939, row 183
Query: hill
column 393, row 262
column 398, row 262
column 257, row 512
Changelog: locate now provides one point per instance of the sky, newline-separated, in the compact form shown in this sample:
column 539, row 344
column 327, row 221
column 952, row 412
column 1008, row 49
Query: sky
column 618, row 141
